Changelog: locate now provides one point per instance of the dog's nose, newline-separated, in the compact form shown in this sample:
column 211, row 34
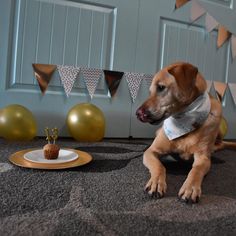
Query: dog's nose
column 142, row 114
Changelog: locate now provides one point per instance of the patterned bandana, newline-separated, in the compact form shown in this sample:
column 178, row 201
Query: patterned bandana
column 189, row 119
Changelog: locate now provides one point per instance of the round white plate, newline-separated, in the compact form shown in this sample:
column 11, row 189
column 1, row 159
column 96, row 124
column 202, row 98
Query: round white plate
column 37, row 156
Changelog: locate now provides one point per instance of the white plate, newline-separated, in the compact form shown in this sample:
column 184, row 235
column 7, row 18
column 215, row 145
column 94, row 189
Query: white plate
column 37, row 156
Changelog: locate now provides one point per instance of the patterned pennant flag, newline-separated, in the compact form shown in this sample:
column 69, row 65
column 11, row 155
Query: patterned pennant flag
column 148, row 78
column 209, row 83
column 196, row 10
column 180, row 3
column 223, row 36
column 43, row 74
column 233, row 46
column 210, row 23
column 91, row 78
column 134, row 81
column 113, row 79
column 220, row 88
column 232, row 87
column 68, row 76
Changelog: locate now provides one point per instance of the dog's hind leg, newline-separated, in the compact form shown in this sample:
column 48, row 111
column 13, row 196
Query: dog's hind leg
column 220, row 145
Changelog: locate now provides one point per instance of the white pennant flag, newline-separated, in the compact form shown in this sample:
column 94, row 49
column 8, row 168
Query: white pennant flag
column 68, row 76
column 233, row 45
column 232, row 88
column 210, row 23
column 148, row 78
column 209, row 84
column 196, row 10
column 134, row 81
column 91, row 78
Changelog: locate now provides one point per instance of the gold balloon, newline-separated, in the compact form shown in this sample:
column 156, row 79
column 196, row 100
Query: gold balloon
column 17, row 123
column 223, row 127
column 86, row 122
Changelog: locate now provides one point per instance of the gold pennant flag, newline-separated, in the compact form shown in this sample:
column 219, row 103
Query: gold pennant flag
column 223, row 36
column 220, row 88
column 43, row 74
column 113, row 79
column 180, row 3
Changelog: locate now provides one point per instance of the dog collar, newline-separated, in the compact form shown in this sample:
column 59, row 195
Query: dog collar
column 189, row 119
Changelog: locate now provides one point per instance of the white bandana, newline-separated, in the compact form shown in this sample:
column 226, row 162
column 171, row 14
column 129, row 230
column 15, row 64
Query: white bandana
column 186, row 121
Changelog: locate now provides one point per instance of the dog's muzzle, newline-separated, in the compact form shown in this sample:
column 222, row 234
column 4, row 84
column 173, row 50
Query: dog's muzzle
column 144, row 115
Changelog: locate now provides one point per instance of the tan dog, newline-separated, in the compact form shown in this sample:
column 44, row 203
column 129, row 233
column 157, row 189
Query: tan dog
column 173, row 90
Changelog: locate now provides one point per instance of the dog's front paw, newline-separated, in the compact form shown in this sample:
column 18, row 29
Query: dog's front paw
column 156, row 187
column 190, row 193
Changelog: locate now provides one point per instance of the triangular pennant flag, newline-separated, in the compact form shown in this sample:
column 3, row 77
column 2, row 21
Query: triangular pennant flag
column 196, row 10
column 210, row 23
column 213, row 92
column 233, row 46
column 223, row 36
column 134, row 81
column 209, row 84
column 180, row 3
column 113, row 79
column 220, row 88
column 232, row 87
column 91, row 78
column 68, row 76
column 43, row 74
column 148, row 78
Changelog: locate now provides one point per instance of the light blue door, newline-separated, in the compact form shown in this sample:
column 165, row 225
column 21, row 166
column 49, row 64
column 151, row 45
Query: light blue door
column 129, row 36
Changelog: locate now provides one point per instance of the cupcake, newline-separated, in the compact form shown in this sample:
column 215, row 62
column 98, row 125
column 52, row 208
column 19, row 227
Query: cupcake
column 51, row 151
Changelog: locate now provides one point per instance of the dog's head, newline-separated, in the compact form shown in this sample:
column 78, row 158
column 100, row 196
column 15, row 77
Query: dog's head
column 172, row 89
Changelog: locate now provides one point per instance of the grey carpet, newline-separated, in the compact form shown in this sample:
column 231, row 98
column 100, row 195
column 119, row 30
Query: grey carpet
column 106, row 196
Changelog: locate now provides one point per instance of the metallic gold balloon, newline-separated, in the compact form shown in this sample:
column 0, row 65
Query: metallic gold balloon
column 17, row 123
column 86, row 122
column 223, row 127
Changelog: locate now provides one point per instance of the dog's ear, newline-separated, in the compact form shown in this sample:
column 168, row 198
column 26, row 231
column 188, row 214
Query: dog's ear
column 185, row 75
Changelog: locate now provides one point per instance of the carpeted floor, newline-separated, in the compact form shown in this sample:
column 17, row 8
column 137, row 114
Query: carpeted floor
column 106, row 197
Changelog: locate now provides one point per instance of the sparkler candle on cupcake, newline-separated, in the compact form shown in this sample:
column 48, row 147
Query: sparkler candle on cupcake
column 51, row 150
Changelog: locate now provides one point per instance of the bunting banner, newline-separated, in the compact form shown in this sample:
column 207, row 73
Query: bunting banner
column 196, row 10
column 210, row 23
column 68, row 76
column 43, row 74
column 91, row 77
column 113, row 79
column 134, row 81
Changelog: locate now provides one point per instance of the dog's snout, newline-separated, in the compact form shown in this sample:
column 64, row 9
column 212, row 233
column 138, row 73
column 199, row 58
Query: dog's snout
column 142, row 114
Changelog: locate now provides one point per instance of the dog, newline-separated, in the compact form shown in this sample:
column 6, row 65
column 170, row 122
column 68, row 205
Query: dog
column 191, row 120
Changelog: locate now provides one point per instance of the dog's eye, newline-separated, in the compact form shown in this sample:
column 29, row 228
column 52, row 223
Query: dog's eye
column 160, row 88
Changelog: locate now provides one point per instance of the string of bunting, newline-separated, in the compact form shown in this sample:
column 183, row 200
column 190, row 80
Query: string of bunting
column 224, row 34
column 69, row 74
column 91, row 76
